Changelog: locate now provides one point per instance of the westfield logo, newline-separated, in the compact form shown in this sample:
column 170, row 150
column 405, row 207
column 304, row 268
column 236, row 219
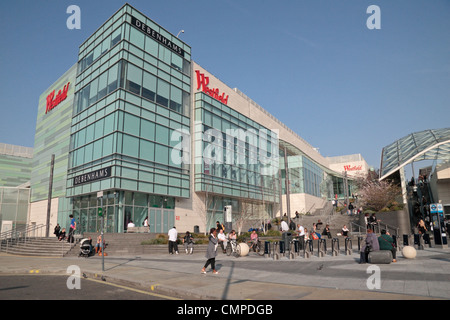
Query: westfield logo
column 53, row 101
column 352, row 168
column 203, row 82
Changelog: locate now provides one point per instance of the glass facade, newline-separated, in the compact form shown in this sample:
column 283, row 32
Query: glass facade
column 305, row 176
column 132, row 93
column 236, row 161
column 53, row 137
column 14, row 206
column 15, row 165
column 228, row 161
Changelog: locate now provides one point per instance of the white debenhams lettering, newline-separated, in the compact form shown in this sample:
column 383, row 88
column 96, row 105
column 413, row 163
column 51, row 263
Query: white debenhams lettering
column 74, row 21
column 194, row 310
column 374, row 21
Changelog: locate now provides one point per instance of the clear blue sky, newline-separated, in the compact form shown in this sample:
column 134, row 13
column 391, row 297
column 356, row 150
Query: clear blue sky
column 313, row 64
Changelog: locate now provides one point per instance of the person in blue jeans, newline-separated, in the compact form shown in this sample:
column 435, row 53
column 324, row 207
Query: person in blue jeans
column 73, row 227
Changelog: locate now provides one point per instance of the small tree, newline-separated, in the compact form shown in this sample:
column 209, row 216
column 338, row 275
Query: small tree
column 376, row 195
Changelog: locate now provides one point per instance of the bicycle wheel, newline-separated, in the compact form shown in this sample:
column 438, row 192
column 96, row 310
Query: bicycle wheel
column 229, row 249
column 238, row 251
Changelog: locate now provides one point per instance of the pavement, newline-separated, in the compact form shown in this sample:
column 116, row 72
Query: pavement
column 254, row 277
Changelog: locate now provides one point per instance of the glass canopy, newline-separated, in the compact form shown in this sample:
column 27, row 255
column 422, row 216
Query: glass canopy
column 424, row 145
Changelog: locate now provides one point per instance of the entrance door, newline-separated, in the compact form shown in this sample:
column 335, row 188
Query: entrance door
column 161, row 220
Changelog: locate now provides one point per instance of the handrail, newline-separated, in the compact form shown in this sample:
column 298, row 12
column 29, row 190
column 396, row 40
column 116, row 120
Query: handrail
column 14, row 235
column 377, row 228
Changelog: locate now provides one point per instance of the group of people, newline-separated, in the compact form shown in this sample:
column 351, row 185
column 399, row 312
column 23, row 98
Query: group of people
column 371, row 221
column 315, row 232
column 61, row 233
column 374, row 243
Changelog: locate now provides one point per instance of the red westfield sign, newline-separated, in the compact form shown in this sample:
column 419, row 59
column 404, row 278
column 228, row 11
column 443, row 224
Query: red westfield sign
column 203, row 82
column 352, row 168
column 53, row 101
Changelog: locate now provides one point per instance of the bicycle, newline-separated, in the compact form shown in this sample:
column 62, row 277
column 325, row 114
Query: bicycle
column 233, row 248
column 256, row 247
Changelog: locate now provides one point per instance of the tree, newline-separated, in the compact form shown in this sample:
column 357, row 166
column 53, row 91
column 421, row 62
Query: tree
column 376, row 195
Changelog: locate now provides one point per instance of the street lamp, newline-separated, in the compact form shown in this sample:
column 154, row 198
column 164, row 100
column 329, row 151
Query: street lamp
column 181, row 31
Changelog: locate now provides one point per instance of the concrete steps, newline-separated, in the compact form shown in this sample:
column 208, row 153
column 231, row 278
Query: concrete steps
column 37, row 247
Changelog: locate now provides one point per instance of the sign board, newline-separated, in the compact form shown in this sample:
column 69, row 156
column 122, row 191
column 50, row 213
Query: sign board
column 92, row 176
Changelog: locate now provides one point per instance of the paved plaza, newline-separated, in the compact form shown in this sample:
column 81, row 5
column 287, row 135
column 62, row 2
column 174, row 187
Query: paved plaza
column 259, row 278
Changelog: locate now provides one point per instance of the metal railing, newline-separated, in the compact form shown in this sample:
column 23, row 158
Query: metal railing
column 376, row 228
column 20, row 236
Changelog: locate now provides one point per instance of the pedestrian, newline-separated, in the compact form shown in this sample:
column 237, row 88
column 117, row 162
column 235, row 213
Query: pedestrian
column 57, row 230
column 73, row 227
column 350, row 209
column 188, row 241
column 345, row 231
column 326, row 232
column 373, row 221
column 222, row 240
column 292, row 225
column 284, row 226
column 421, row 226
column 366, row 220
column 145, row 223
column 211, row 252
column 173, row 235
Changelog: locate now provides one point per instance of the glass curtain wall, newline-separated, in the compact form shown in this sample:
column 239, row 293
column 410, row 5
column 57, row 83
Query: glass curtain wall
column 231, row 165
column 121, row 207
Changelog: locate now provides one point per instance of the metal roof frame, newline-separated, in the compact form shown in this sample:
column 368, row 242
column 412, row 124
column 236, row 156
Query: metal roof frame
column 431, row 144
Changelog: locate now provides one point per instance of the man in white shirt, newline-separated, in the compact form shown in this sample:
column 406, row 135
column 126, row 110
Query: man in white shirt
column 301, row 235
column 222, row 240
column 301, row 230
column 284, row 226
column 173, row 235
column 131, row 224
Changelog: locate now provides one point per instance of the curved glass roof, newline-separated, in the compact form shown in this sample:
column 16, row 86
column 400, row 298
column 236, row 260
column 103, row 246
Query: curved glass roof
column 424, row 145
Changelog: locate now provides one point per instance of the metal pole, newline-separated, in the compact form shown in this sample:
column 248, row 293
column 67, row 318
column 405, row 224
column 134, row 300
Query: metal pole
column 103, row 244
column 49, row 203
column 288, row 193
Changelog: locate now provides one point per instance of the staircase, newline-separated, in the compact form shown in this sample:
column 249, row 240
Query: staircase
column 42, row 246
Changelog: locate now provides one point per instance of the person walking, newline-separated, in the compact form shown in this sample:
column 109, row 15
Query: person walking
column 173, row 236
column 211, row 252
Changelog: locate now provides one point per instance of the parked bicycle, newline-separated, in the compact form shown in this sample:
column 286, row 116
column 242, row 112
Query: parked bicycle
column 233, row 248
column 256, row 246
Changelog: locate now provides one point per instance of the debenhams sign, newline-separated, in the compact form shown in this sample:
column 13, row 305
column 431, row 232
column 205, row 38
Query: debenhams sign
column 157, row 36
column 92, row 176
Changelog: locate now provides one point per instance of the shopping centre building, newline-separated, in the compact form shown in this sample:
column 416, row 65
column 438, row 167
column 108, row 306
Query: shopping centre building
column 137, row 120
